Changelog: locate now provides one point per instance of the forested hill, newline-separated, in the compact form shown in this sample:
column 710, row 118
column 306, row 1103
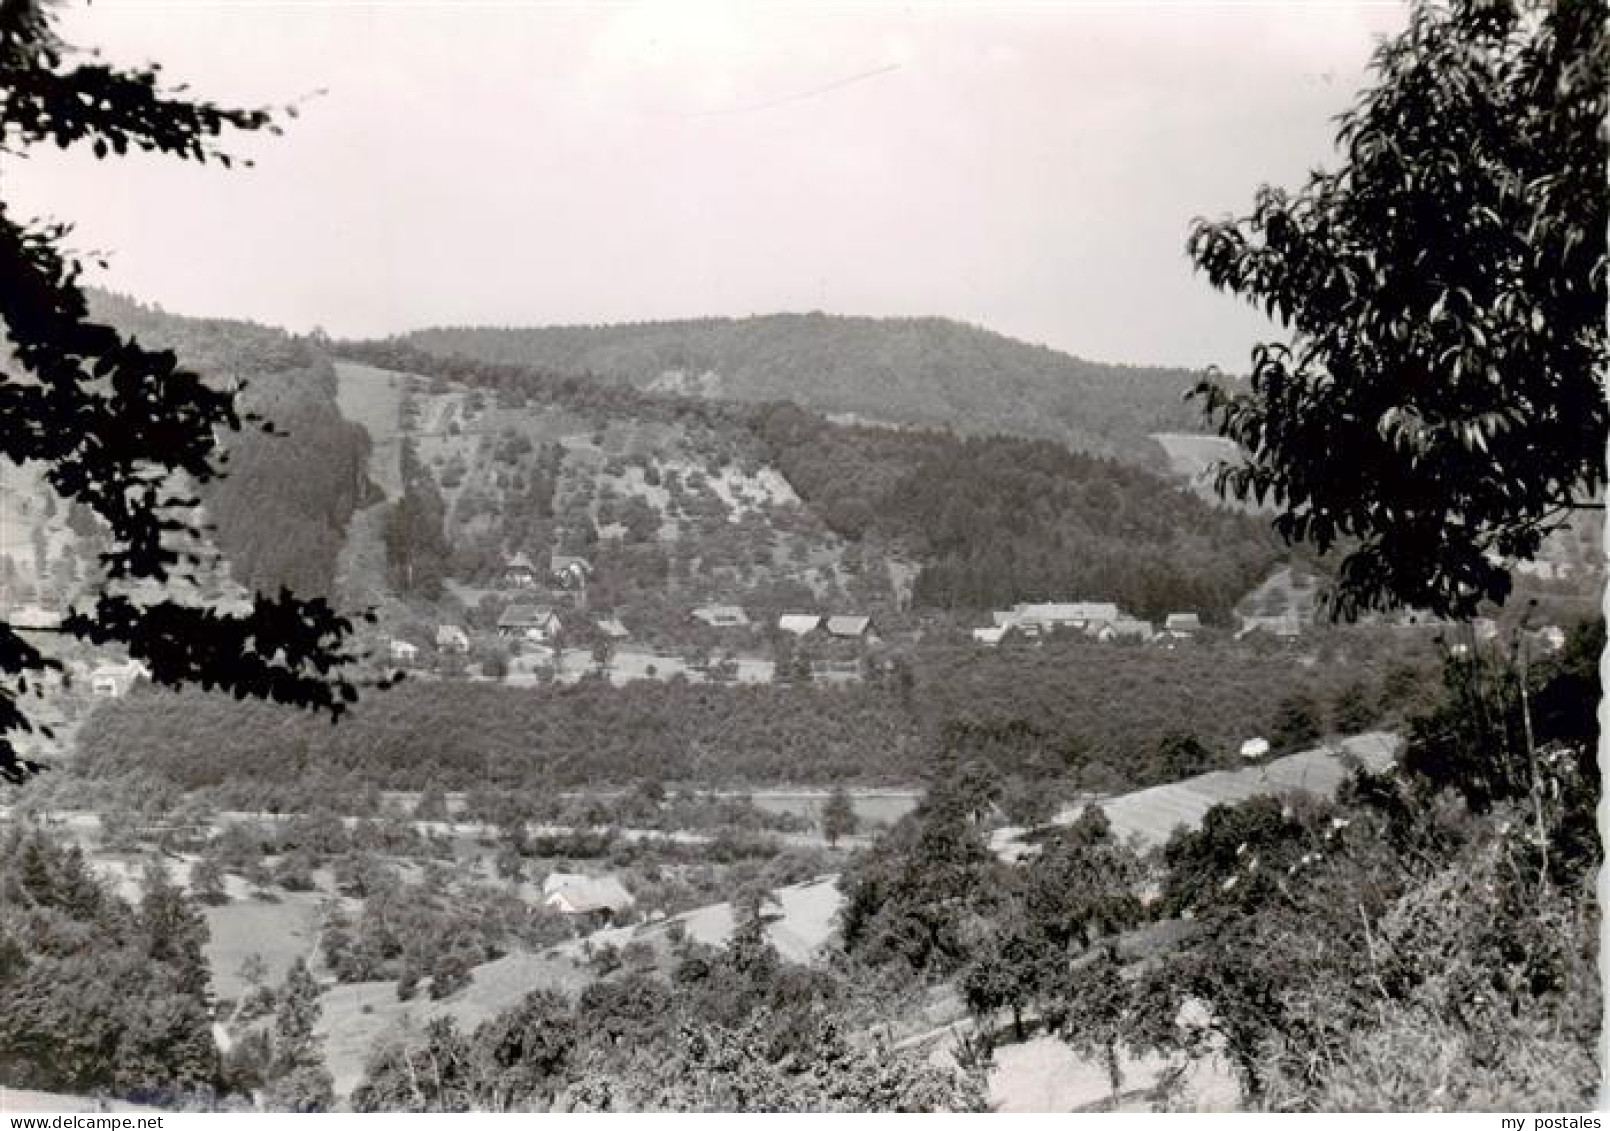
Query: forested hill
column 281, row 511
column 926, row 371
column 984, row 521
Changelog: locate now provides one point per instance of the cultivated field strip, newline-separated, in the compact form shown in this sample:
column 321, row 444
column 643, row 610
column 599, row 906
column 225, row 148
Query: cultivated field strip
column 1151, row 815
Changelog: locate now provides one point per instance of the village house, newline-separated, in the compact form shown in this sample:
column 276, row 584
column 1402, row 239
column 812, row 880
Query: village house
column 1032, row 619
column 402, row 652
column 538, row 623
column 1124, row 628
column 520, row 573
column 113, row 681
column 599, row 901
column 612, row 628
column 992, row 635
column 722, row 616
column 566, row 571
column 1181, row 626
column 799, row 624
column 452, row 639
column 851, row 628
column 1254, row 748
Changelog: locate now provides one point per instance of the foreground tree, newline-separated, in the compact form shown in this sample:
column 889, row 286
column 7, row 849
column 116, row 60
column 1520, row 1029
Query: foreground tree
column 120, row 431
column 1439, row 406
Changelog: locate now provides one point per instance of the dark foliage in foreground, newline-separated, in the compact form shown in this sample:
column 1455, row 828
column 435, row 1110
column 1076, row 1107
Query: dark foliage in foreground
column 1440, row 397
column 97, row 995
column 124, row 431
column 730, row 1030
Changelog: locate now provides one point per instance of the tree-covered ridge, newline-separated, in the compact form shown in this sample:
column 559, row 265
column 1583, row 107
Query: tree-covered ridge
column 990, row 520
column 926, row 371
column 996, row 520
column 281, row 512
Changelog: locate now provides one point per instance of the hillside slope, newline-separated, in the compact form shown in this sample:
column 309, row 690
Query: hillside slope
column 281, row 510
column 679, row 499
column 927, row 371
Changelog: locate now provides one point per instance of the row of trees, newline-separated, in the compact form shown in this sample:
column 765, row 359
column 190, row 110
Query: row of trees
column 1074, row 713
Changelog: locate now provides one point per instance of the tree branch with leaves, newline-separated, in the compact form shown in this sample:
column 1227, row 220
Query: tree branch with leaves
column 124, row 431
column 1439, row 406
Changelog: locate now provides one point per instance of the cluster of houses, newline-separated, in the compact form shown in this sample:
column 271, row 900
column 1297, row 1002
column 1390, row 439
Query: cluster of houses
column 1103, row 620
column 538, row 623
column 565, row 571
column 849, row 626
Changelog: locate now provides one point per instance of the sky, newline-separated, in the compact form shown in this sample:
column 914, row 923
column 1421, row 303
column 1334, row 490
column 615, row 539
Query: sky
column 1030, row 168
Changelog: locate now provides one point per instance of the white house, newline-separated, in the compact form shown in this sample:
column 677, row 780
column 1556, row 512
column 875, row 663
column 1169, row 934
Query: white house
column 1089, row 616
column 602, row 898
column 452, row 638
column 722, row 616
column 112, row 681
column 1179, row 625
column 800, row 624
column 850, row 627
column 520, row 572
column 1124, row 628
column 402, row 652
column 537, row 623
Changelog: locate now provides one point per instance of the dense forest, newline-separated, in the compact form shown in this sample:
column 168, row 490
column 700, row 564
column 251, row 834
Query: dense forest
column 281, row 511
column 996, row 520
column 926, row 371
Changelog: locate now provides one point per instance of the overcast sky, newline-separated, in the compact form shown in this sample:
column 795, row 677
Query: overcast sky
column 1029, row 168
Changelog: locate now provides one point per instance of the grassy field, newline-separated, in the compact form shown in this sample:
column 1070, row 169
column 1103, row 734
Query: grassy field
column 1191, row 455
column 875, row 807
column 372, row 397
column 805, row 924
column 279, row 932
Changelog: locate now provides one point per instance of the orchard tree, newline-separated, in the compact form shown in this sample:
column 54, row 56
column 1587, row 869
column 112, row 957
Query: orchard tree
column 1438, row 407
column 121, row 432
column 838, row 816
